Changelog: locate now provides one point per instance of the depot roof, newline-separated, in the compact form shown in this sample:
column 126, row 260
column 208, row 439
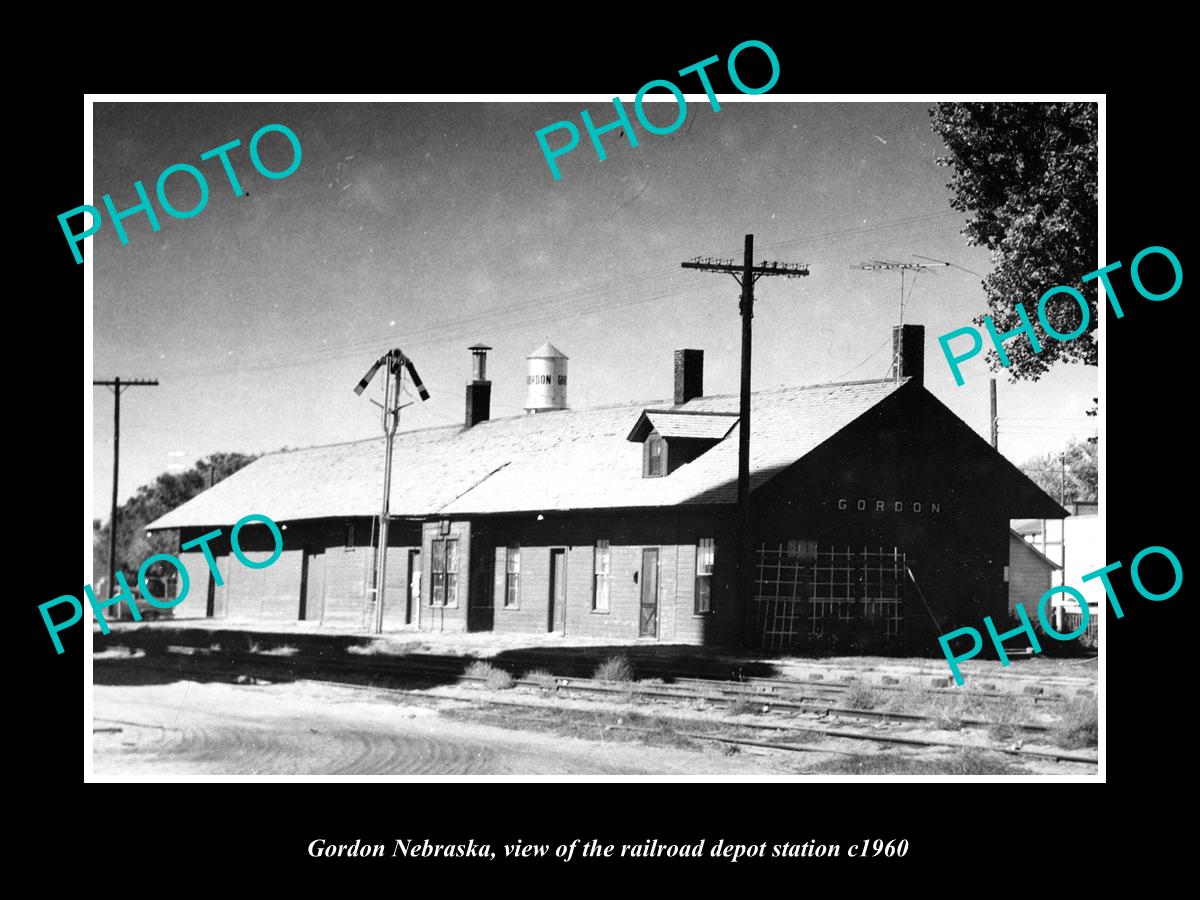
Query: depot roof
column 559, row 460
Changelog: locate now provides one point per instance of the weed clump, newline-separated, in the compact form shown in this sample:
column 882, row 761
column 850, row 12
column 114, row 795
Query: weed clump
column 492, row 677
column 862, row 696
column 615, row 670
column 742, row 708
column 542, row 678
column 1079, row 726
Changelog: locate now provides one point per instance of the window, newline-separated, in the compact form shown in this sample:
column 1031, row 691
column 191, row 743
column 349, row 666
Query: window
column 706, row 552
column 349, row 535
column 444, row 567
column 601, row 570
column 802, row 550
column 512, row 578
column 654, row 460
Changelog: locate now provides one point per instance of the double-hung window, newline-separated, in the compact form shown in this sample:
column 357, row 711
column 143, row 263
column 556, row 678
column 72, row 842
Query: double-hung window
column 444, row 568
column 706, row 552
column 512, row 577
column 601, row 570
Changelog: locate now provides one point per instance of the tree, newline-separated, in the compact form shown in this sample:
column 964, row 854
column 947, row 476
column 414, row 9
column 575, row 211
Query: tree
column 1027, row 172
column 1080, row 458
column 152, row 500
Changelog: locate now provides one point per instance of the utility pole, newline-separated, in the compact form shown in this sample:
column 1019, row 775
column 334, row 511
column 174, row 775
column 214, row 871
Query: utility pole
column 393, row 378
column 117, row 385
column 995, row 421
column 1062, row 490
column 1062, row 523
column 745, row 275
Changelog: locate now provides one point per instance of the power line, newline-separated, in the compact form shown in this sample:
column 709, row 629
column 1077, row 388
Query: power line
column 547, row 306
column 868, row 359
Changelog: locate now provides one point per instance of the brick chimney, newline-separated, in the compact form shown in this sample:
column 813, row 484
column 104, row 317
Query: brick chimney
column 479, row 389
column 908, row 352
column 689, row 375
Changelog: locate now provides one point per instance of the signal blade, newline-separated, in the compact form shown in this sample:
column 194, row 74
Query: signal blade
column 416, row 378
column 366, row 379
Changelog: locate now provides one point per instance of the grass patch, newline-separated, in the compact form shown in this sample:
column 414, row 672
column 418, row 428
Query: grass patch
column 862, row 696
column 118, row 652
column 964, row 762
column 542, row 678
column 1007, row 712
column 614, row 670
column 1079, row 725
column 742, row 708
column 949, row 714
column 493, row 678
column 948, row 709
column 379, row 648
column 282, row 650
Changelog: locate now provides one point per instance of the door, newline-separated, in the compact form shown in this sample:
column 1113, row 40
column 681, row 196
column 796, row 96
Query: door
column 414, row 585
column 480, row 615
column 304, row 562
column 312, row 585
column 558, row 588
column 648, row 620
column 211, row 601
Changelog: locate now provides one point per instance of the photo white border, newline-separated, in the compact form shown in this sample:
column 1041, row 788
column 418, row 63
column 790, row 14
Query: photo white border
column 89, row 411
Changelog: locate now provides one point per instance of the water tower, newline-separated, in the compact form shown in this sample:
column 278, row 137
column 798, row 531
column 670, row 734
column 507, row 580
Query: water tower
column 546, row 381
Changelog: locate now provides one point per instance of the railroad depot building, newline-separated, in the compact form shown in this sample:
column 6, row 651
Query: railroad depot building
column 879, row 519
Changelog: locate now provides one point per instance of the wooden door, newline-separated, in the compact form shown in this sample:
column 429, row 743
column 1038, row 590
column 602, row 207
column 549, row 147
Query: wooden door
column 648, row 620
column 480, row 615
column 558, row 588
column 414, row 586
column 304, row 563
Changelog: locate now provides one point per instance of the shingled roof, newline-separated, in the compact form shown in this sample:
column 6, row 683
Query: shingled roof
column 559, row 460
column 673, row 423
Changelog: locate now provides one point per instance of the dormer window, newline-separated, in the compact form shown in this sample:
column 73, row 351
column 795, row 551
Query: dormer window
column 673, row 438
column 655, row 456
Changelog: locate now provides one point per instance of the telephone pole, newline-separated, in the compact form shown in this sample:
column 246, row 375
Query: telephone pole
column 745, row 275
column 117, row 385
column 1062, row 489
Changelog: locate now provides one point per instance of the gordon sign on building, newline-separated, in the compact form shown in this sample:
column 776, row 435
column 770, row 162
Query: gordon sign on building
column 916, row 506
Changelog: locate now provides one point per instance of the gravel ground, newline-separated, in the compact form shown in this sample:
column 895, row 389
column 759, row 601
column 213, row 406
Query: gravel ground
column 187, row 728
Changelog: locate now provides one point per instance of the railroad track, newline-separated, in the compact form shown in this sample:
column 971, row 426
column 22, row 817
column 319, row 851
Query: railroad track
column 796, row 696
column 813, row 714
column 676, row 677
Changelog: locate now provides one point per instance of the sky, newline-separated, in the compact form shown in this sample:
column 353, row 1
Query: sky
column 434, row 226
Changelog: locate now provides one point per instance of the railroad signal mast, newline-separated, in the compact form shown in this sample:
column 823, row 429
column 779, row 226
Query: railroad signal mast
column 397, row 363
column 745, row 275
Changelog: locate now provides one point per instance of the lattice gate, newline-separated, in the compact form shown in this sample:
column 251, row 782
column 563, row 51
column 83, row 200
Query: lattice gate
column 833, row 597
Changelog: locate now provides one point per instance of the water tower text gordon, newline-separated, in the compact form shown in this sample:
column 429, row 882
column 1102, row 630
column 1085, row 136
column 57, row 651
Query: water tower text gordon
column 545, row 379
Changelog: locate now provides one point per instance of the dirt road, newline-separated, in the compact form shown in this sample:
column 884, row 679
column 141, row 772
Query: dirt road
column 301, row 728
